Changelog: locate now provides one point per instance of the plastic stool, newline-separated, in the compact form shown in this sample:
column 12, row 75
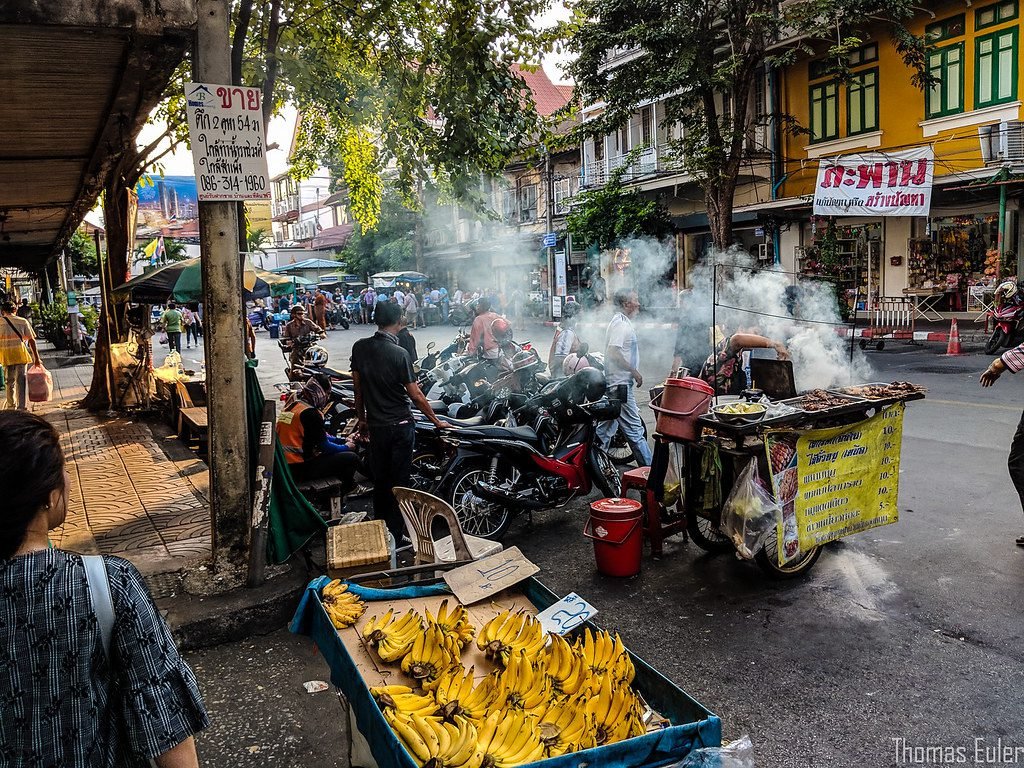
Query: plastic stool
column 636, row 480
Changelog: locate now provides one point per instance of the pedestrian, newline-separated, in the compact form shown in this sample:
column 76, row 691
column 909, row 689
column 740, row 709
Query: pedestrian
column 406, row 340
column 384, row 390
column 17, row 350
column 517, row 303
column 399, row 297
column 1011, row 360
column 622, row 369
column 250, row 339
column 25, row 311
column 457, row 298
column 566, row 341
column 86, row 681
column 171, row 321
column 412, row 309
column 481, row 334
column 369, row 302
column 197, row 310
column 320, row 310
column 311, row 453
column 445, row 304
column 188, row 319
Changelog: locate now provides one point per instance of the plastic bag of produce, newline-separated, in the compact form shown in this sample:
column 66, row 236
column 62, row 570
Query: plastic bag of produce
column 738, row 754
column 40, row 384
column 750, row 512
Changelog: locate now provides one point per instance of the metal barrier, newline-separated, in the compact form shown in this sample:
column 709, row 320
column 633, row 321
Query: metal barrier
column 891, row 317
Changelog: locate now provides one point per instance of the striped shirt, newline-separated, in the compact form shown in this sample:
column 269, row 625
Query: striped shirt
column 1013, row 359
column 61, row 701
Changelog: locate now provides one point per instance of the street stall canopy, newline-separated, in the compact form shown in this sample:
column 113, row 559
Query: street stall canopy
column 183, row 281
column 309, row 265
column 391, row 279
column 79, row 81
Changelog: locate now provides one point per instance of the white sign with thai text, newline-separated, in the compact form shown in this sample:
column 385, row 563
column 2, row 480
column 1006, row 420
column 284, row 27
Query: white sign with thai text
column 225, row 125
column 876, row 184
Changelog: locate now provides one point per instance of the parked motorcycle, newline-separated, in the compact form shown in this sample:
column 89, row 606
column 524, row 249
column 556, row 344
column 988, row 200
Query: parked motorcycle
column 496, row 471
column 307, row 353
column 1009, row 327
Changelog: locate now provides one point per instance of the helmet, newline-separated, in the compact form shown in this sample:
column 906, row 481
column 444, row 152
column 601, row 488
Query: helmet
column 571, row 309
column 1007, row 289
column 315, row 355
column 522, row 359
column 501, row 329
column 574, row 364
column 583, row 386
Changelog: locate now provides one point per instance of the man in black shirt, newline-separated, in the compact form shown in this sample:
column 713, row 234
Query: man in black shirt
column 385, row 389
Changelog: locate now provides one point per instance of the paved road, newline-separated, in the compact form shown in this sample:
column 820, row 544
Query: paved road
column 911, row 631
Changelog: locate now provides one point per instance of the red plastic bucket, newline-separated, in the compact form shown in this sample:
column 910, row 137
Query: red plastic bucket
column 680, row 404
column 616, row 527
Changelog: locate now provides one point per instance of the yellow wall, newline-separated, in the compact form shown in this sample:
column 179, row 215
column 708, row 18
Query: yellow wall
column 901, row 105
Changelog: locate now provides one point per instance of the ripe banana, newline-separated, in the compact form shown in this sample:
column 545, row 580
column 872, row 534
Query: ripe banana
column 507, row 739
column 433, row 742
column 432, row 653
column 456, row 694
column 611, row 708
column 393, row 637
column 602, row 654
column 455, row 623
column 404, row 701
column 567, row 727
column 508, row 632
column 564, row 667
column 522, row 687
column 343, row 607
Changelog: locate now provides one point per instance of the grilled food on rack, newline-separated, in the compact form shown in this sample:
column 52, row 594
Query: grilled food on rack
column 885, row 391
column 821, row 400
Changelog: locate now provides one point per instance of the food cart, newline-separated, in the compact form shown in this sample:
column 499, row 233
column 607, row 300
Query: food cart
column 676, row 723
column 827, row 462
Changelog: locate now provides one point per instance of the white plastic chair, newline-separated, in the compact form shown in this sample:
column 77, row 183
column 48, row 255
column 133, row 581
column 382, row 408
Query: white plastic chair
column 419, row 509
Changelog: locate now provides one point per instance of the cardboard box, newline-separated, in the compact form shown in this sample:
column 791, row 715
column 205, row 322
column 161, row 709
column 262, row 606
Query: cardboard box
column 357, row 548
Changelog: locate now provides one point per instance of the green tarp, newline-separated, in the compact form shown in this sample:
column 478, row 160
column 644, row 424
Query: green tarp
column 293, row 521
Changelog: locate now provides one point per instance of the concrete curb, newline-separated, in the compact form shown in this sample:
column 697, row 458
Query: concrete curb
column 203, row 621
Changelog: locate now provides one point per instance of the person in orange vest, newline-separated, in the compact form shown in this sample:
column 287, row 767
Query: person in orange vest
column 311, row 452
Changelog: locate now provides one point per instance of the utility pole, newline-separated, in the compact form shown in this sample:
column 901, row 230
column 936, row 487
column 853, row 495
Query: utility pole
column 222, row 324
column 73, row 310
column 549, row 211
column 417, row 242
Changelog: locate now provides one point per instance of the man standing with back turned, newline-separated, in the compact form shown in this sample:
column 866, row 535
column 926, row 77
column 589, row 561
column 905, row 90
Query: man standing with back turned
column 622, row 363
column 385, row 388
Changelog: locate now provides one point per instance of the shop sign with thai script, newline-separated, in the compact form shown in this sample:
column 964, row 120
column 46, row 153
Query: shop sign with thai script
column 876, row 184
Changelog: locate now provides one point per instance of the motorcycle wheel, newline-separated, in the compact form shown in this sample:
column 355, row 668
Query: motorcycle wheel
column 767, row 559
column 343, row 323
column 425, row 468
column 606, row 476
column 997, row 341
column 477, row 516
column 618, row 447
column 338, row 419
column 705, row 534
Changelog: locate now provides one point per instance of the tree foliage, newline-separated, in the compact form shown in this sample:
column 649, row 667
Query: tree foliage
column 82, row 251
column 389, row 245
column 705, row 57
column 608, row 214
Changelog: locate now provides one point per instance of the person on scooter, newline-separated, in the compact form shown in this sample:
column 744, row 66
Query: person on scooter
column 311, row 452
column 481, row 335
column 566, row 341
column 295, row 329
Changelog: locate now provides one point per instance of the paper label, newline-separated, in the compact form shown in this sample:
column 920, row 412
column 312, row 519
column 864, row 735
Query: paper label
column 567, row 614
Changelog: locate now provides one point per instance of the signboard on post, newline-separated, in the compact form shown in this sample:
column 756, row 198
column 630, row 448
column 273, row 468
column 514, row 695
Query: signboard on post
column 550, row 240
column 225, row 125
column 560, row 278
column 890, row 184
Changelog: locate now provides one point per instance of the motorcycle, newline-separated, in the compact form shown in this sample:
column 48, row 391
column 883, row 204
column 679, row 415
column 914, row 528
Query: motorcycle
column 307, row 353
column 1009, row 327
column 494, row 471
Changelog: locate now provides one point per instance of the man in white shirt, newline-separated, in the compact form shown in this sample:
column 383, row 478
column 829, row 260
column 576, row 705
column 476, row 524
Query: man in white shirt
column 400, row 297
column 622, row 367
column 457, row 298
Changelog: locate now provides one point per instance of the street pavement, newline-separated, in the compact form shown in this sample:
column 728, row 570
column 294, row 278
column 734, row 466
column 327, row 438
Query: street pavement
column 909, row 632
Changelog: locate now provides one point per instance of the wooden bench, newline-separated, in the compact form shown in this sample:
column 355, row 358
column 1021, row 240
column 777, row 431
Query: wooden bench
column 324, row 493
column 193, row 424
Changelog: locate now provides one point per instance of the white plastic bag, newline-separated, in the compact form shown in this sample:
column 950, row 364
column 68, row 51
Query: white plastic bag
column 750, row 513
column 40, row 384
column 738, row 754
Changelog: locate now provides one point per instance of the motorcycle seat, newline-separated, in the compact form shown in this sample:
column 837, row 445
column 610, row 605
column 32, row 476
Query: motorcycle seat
column 471, row 423
column 439, row 407
column 526, row 434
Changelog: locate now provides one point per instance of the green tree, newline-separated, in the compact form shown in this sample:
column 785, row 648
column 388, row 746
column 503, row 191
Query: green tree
column 605, row 215
column 389, row 245
column 82, row 251
column 705, row 58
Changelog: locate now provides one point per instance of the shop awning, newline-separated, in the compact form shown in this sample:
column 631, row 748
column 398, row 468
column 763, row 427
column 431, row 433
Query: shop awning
column 1005, row 177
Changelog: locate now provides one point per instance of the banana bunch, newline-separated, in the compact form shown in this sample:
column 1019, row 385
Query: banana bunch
column 436, row 743
column 567, row 727
column 522, row 687
column 432, row 653
column 507, row 739
column 454, row 623
column 342, row 606
column 393, row 637
column 616, row 711
column 605, row 655
column 508, row 632
column 401, row 699
column 456, row 694
column 566, row 672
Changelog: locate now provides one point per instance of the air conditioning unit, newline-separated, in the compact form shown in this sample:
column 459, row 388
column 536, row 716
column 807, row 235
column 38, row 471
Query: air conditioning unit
column 304, row 230
column 1002, row 142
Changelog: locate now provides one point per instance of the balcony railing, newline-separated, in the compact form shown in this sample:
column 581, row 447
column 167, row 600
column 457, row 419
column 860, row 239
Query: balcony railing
column 652, row 161
column 285, row 205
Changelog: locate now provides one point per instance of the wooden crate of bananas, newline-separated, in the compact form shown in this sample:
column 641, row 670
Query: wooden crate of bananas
column 435, row 683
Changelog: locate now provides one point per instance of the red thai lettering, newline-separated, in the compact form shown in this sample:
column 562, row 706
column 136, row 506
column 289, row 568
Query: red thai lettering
column 870, row 174
column 915, row 177
column 833, row 177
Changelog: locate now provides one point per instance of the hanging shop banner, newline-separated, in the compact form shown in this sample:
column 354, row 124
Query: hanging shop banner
column 225, row 125
column 875, row 184
column 833, row 483
column 560, row 279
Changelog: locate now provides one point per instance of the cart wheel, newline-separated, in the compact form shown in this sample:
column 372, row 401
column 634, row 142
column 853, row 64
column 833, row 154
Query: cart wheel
column 863, row 344
column 767, row 559
column 880, row 346
column 705, row 534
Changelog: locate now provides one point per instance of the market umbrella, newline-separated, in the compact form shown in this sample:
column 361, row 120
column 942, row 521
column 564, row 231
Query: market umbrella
column 390, row 279
column 183, row 281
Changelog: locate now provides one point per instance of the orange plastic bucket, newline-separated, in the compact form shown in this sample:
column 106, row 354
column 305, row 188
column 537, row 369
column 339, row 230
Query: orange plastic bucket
column 680, row 404
column 616, row 528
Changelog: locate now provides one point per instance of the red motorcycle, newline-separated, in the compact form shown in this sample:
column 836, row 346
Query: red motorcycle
column 496, row 471
column 1009, row 327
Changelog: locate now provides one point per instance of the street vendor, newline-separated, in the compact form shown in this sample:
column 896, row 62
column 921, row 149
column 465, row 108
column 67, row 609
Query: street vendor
column 723, row 369
column 311, row 452
column 1013, row 361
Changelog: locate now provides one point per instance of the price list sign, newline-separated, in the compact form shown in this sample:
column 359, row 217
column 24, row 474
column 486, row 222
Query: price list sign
column 225, row 124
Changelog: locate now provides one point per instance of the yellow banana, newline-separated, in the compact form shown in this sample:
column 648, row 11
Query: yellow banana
column 454, row 623
column 566, row 727
column 393, row 637
column 431, row 655
column 408, row 735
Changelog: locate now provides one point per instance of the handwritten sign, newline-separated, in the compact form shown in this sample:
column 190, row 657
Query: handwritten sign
column 225, row 124
column 893, row 184
column 567, row 614
column 487, row 577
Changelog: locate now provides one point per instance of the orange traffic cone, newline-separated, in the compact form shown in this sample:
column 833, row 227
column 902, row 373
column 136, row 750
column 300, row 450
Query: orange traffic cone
column 953, row 346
